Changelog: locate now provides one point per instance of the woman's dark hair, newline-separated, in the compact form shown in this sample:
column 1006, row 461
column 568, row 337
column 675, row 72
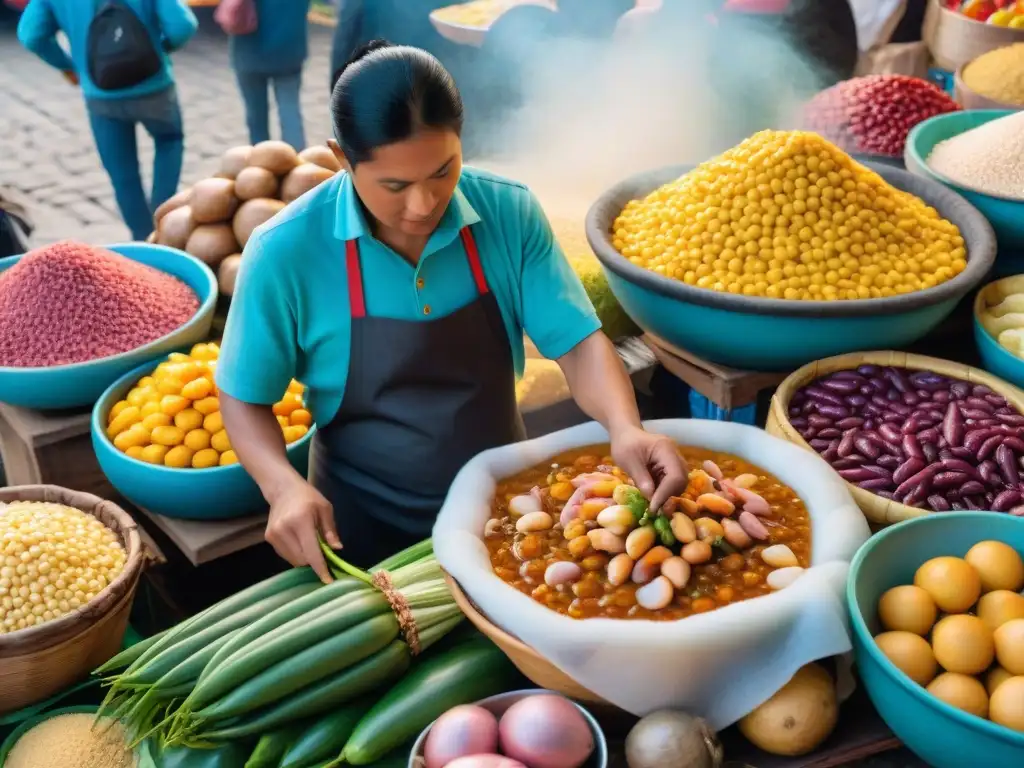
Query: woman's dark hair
column 386, row 93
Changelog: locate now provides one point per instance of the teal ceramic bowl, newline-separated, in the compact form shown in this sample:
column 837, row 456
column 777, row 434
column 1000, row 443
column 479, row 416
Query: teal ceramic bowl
column 994, row 359
column 1005, row 215
column 79, row 384
column 755, row 333
column 943, row 736
column 216, row 493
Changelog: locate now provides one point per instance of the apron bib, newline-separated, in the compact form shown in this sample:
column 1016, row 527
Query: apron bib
column 421, row 399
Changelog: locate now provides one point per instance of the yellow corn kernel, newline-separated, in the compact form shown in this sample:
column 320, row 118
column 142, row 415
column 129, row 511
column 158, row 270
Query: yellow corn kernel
column 207, row 405
column 205, row 458
column 173, row 404
column 197, row 439
column 148, row 409
column 562, row 491
column 169, row 436
column 154, row 420
column 228, row 457
column 605, row 488
column 188, row 419
column 153, row 454
column 213, row 423
column 197, row 389
column 178, row 457
column 169, row 385
column 119, row 406
column 591, row 508
column 135, row 451
column 220, row 441
column 134, row 435
column 124, row 419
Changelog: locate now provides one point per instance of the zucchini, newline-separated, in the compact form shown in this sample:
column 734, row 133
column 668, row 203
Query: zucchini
column 308, row 607
column 229, row 606
column 283, row 644
column 381, row 669
column 227, row 756
column 149, row 672
column 325, row 737
column 466, row 673
column 304, row 668
column 272, row 746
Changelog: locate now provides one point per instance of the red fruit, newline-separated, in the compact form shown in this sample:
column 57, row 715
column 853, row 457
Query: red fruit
column 872, row 115
column 69, row 303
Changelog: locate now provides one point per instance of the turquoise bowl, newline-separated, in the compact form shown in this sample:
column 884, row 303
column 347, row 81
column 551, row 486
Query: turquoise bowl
column 79, row 384
column 755, row 333
column 216, row 493
column 942, row 735
column 994, row 359
column 1005, row 215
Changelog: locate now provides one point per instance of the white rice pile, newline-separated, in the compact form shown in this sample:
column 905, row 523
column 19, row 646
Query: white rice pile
column 989, row 158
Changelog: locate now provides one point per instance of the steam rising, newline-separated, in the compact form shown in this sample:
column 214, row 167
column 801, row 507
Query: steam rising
column 597, row 112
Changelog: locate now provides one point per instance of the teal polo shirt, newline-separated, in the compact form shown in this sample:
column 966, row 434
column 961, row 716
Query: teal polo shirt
column 290, row 315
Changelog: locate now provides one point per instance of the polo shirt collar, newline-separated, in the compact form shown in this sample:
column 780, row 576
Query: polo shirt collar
column 350, row 221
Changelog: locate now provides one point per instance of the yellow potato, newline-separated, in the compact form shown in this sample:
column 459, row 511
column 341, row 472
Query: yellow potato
column 124, row 419
column 178, row 457
column 153, row 454
column 220, row 442
column 205, row 458
column 188, row 419
column 197, row 439
column 153, row 406
column 197, row 389
column 207, row 405
column 169, row 436
column 173, row 404
column 228, row 457
column 213, row 423
column 119, row 406
column 155, row 420
column 135, row 451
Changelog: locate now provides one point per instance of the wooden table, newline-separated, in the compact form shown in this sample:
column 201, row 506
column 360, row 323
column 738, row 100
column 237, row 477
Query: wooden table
column 203, row 541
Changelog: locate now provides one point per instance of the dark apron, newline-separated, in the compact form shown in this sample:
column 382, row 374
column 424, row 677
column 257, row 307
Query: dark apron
column 421, row 399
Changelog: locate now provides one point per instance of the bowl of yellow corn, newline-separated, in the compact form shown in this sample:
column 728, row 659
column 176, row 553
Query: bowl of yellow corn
column 784, row 250
column 160, row 439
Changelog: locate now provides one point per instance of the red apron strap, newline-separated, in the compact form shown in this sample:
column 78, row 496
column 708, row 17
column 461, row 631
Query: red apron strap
column 356, row 296
column 473, row 255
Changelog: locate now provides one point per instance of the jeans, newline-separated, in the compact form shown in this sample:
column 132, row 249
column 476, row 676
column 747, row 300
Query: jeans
column 255, row 94
column 113, row 124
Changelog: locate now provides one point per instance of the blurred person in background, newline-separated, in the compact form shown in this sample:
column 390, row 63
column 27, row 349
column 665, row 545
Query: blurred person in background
column 119, row 56
column 273, row 56
column 349, row 33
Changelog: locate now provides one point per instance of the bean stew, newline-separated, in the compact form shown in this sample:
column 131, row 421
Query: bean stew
column 578, row 537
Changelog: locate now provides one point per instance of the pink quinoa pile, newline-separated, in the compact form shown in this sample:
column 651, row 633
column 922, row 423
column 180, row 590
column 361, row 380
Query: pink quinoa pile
column 71, row 303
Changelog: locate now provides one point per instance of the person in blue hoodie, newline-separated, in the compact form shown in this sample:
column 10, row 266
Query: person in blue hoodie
column 273, row 54
column 114, row 114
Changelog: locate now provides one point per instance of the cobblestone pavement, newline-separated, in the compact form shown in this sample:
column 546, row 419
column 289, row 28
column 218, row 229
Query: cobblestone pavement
column 47, row 150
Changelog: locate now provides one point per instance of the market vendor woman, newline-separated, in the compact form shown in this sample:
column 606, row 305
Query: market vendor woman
column 399, row 293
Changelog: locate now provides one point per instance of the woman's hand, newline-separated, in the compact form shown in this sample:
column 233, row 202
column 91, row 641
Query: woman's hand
column 652, row 461
column 299, row 514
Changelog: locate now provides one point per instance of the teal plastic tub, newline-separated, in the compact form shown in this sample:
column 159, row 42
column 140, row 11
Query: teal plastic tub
column 994, row 359
column 1005, row 215
column 80, row 384
column 216, row 493
column 756, row 333
column 942, row 735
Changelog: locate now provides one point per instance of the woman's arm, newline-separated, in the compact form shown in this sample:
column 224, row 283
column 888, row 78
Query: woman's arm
column 37, row 31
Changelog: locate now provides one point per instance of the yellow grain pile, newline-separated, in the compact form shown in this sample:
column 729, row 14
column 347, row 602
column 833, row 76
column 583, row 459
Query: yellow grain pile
column 72, row 741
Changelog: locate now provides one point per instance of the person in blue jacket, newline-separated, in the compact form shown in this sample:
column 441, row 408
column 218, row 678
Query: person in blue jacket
column 399, row 292
column 114, row 114
column 273, row 54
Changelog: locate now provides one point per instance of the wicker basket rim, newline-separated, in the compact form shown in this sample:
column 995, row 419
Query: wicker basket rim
column 43, row 636
column 468, row 607
column 811, row 371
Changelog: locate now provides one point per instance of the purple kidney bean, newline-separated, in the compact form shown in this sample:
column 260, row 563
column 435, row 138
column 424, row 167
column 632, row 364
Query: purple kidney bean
column 960, row 389
column 897, row 378
column 879, row 484
column 846, row 446
column 834, row 411
column 958, row 506
column 989, row 472
column 990, row 497
column 850, row 422
column 842, row 463
column 824, row 397
column 1014, row 419
column 868, row 369
column 869, row 424
column 918, row 480
column 856, row 401
column 878, row 385
column 911, row 446
column 939, row 504
column 958, row 465
column 858, row 475
column 916, row 496
column 831, row 453
column 945, row 454
column 830, row 433
column 1005, row 500
column 867, row 447
column 980, row 403
column 928, row 435
column 1007, row 464
column 952, row 426
column 819, row 421
column 794, row 411
column 809, row 407
column 949, row 479
column 974, row 439
column 841, row 386
column 974, row 413
column 911, row 399
column 867, row 390
column 880, row 400
column 907, row 469
column 799, row 422
column 971, row 488
column 847, row 376
column 980, row 390
column 819, row 445
column 942, row 396
column 961, row 453
column 901, row 409
column 930, row 451
column 889, row 433
column 1015, row 444
column 888, row 461
column 892, row 396
column 923, row 394
column 893, row 418
column 989, row 446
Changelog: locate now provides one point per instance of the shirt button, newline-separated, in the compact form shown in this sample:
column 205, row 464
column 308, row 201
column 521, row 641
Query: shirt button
column 420, row 283
column 426, row 309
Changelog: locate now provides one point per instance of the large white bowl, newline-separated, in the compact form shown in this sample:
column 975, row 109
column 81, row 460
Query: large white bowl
column 720, row 664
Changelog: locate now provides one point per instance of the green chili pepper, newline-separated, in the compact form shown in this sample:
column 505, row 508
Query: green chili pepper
column 631, row 497
column 664, row 530
column 724, row 545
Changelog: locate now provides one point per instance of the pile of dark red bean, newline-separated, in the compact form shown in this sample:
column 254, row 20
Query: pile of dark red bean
column 916, row 437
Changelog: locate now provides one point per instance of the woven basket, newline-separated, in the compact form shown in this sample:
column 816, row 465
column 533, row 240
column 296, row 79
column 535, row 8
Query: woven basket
column 971, row 99
column 955, row 39
column 875, row 508
column 38, row 662
column 528, row 661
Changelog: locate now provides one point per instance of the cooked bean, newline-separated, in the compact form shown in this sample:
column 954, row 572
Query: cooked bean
column 858, row 475
column 841, row 386
column 619, row 569
column 534, row 521
column 834, row 412
column 580, row 547
column 1014, row 419
column 562, row 572
column 753, row 526
column 708, row 529
column 989, row 472
column 846, row 446
column 735, row 535
column 697, row 552
column 649, row 566
column 949, row 479
column 656, row 595
column 715, row 503
column 849, row 422
column 605, row 541
column 888, row 461
column 971, row 488
column 989, row 446
column 938, row 503
column 878, row 484
column 779, row 556
column 1007, row 464
column 867, row 447
column 683, row 528
column 1005, row 500
column 676, row 570
column 640, row 540
column 819, row 444
column 953, row 426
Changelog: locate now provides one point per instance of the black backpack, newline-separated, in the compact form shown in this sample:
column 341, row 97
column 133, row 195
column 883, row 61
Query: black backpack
column 120, row 50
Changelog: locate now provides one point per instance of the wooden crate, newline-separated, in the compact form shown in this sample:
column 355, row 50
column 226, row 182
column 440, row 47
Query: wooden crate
column 51, row 448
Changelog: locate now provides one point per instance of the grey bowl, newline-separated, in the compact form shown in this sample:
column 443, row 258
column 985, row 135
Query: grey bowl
column 499, row 704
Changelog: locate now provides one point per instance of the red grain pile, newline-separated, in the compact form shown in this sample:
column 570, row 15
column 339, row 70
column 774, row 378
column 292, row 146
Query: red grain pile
column 70, row 303
column 873, row 114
